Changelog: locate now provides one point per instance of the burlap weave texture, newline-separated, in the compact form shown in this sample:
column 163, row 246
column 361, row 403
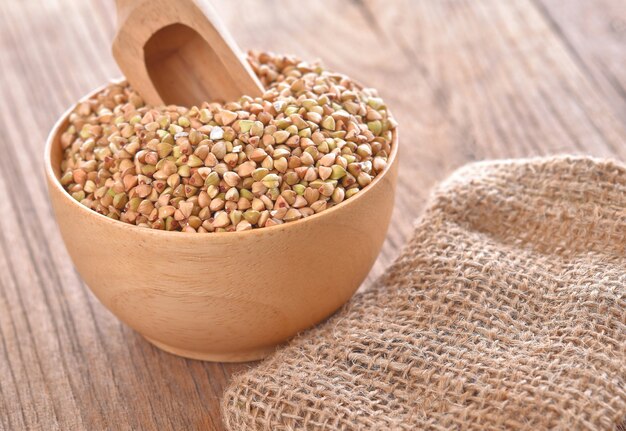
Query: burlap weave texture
column 505, row 310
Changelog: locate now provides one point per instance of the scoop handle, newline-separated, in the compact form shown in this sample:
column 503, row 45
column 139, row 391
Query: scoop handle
column 179, row 52
column 124, row 8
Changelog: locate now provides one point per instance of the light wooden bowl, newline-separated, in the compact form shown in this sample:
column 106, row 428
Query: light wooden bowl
column 231, row 296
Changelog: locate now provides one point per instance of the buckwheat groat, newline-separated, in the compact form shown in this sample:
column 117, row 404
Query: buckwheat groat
column 314, row 139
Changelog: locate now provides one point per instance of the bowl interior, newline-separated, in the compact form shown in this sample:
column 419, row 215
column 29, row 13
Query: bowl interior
column 54, row 155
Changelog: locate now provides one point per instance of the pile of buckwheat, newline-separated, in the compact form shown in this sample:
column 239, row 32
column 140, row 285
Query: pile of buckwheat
column 314, row 139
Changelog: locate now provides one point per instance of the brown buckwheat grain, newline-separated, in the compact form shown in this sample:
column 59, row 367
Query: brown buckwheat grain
column 314, row 139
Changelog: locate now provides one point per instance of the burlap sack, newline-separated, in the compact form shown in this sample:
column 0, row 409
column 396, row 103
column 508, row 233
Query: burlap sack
column 506, row 310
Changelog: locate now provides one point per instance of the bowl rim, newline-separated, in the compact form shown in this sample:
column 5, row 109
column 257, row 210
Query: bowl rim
column 55, row 182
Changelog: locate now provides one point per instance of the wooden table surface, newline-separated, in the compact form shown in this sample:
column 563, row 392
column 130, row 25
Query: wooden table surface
column 467, row 80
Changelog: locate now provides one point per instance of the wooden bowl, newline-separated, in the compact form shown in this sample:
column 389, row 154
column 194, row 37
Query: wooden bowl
column 230, row 296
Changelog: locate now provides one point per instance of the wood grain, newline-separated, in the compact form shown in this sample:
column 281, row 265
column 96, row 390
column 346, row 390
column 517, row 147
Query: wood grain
column 467, row 79
column 594, row 33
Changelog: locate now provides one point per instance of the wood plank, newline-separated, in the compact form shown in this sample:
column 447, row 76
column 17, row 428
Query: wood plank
column 467, row 80
column 595, row 35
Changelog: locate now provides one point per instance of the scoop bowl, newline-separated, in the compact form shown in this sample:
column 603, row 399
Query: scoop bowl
column 227, row 297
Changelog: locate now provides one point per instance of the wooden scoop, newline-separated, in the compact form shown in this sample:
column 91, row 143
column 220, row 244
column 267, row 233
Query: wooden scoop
column 178, row 52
